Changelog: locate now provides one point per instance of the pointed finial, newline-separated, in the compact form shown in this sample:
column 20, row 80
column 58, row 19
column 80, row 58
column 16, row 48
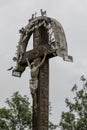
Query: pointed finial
column 43, row 13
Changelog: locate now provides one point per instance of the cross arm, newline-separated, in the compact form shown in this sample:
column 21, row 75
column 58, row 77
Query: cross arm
column 29, row 56
column 36, row 53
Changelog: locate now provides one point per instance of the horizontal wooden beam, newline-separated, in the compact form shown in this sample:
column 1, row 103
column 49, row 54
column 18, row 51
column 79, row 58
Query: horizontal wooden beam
column 36, row 53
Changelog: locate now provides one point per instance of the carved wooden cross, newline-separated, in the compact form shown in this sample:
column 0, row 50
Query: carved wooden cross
column 42, row 28
column 40, row 44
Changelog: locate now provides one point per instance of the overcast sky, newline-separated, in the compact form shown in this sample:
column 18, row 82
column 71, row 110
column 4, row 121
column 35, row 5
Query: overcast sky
column 72, row 14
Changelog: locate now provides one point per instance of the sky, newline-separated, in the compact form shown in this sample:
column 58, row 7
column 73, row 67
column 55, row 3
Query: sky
column 72, row 14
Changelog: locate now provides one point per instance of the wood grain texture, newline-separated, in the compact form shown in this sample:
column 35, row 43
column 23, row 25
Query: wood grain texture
column 41, row 114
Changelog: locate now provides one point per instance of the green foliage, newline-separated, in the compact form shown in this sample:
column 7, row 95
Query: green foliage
column 52, row 126
column 18, row 114
column 76, row 117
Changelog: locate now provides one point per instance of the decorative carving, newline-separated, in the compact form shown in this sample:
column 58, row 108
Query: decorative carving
column 43, row 13
column 34, row 77
column 57, row 39
column 49, row 41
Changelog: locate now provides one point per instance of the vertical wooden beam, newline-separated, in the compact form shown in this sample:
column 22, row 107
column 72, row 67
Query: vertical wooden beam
column 43, row 97
column 41, row 114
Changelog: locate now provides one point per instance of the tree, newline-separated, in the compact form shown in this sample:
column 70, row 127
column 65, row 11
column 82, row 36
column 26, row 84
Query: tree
column 76, row 117
column 52, row 126
column 18, row 114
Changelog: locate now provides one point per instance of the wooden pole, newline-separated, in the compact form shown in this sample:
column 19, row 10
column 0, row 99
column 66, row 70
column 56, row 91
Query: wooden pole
column 41, row 114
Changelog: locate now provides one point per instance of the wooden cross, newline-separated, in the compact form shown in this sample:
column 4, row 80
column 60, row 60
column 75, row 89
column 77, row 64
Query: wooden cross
column 40, row 45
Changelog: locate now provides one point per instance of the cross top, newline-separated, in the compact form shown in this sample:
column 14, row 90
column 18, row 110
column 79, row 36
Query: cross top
column 56, row 46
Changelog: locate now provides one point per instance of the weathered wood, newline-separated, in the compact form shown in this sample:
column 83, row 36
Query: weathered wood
column 41, row 114
column 36, row 53
column 47, row 34
column 44, row 97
